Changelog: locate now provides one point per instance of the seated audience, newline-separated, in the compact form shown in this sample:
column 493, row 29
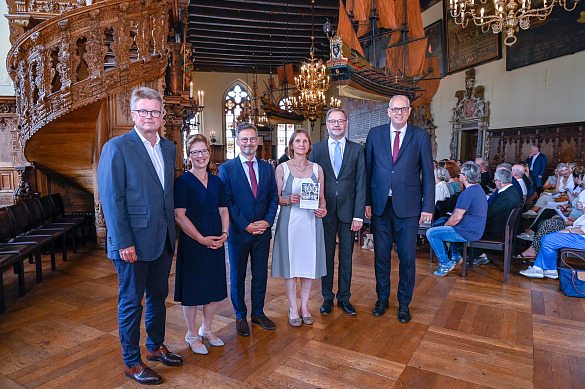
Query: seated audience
column 545, row 264
column 518, row 173
column 454, row 171
column 500, row 204
column 467, row 222
column 550, row 223
column 564, row 182
column 441, row 186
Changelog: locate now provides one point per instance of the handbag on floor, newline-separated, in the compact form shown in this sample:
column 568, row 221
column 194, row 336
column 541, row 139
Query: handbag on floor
column 572, row 280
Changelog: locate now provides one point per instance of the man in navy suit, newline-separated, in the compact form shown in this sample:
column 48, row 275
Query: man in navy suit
column 536, row 163
column 344, row 168
column 135, row 182
column 252, row 198
column 400, row 195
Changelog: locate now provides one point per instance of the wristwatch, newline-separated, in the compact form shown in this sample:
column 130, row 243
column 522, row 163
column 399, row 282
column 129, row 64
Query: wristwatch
column 226, row 233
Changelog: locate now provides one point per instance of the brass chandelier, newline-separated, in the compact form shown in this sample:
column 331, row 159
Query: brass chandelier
column 312, row 83
column 508, row 15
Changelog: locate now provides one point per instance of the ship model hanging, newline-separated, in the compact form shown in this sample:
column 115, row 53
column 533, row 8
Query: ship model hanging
column 356, row 64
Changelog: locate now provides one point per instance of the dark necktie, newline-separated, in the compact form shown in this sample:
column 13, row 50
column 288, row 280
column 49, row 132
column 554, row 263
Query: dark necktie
column 253, row 181
column 396, row 147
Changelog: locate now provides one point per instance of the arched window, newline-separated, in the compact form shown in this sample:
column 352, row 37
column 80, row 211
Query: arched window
column 236, row 100
column 283, row 133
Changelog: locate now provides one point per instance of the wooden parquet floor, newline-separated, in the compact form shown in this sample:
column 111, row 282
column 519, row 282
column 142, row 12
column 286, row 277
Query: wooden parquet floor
column 473, row 333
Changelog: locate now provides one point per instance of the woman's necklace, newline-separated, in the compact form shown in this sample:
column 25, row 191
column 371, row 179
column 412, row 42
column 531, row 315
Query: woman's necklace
column 203, row 180
column 301, row 170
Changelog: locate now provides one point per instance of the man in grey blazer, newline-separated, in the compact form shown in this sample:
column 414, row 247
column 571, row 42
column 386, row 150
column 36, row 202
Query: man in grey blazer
column 344, row 167
column 135, row 182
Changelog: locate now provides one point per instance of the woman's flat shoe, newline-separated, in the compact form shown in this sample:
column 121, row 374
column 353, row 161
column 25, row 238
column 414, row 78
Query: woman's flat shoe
column 521, row 256
column 205, row 335
column 308, row 320
column 201, row 350
column 296, row 322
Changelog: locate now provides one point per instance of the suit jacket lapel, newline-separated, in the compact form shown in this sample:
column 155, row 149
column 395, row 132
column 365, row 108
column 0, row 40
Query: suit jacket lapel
column 326, row 156
column 407, row 138
column 386, row 141
column 144, row 157
column 242, row 176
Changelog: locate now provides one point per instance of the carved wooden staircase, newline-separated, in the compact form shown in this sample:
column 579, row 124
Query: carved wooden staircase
column 72, row 75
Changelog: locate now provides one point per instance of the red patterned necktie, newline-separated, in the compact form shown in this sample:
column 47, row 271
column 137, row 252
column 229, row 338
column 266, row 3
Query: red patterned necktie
column 253, row 181
column 396, row 147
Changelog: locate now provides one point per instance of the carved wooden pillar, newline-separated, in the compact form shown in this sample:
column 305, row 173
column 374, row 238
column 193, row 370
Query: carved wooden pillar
column 101, row 136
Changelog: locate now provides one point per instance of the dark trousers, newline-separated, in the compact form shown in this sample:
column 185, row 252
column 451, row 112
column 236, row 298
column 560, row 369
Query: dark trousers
column 332, row 227
column 136, row 279
column 388, row 228
column 257, row 250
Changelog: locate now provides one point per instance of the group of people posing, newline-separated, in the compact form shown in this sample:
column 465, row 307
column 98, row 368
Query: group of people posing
column 141, row 203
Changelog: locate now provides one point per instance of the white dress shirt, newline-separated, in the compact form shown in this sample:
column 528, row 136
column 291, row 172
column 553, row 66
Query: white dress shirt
column 331, row 144
column 533, row 160
column 400, row 140
column 155, row 154
column 243, row 160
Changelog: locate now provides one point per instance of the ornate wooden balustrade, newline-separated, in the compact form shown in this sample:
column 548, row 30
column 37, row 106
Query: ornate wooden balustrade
column 84, row 55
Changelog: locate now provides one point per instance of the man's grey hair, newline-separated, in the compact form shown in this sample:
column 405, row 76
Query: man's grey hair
column 504, row 165
column 519, row 170
column 335, row 110
column 472, row 171
column 145, row 92
column 396, row 97
column 504, row 176
column 442, row 174
column 245, row 126
column 535, row 147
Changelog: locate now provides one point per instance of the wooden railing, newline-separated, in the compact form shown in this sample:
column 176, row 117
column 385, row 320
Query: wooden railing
column 84, row 55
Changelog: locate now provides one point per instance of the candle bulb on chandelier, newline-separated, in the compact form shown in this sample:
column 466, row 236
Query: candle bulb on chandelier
column 191, row 90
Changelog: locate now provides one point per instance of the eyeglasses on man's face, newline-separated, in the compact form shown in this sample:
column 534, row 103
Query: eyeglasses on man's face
column 338, row 121
column 202, row 152
column 144, row 113
column 251, row 140
column 399, row 109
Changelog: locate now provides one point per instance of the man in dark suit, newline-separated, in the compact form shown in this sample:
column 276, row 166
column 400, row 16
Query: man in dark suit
column 252, row 198
column 344, row 168
column 398, row 199
column 501, row 203
column 537, row 164
column 135, row 182
column 284, row 157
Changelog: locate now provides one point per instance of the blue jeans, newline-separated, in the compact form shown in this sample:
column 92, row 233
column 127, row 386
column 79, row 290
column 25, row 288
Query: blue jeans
column 550, row 243
column 437, row 237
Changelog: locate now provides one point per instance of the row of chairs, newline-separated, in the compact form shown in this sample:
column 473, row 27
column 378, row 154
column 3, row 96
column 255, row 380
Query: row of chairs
column 28, row 228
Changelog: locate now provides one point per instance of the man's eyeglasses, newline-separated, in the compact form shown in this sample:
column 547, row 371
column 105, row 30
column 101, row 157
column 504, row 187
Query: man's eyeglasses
column 246, row 140
column 338, row 121
column 202, row 152
column 144, row 113
column 399, row 109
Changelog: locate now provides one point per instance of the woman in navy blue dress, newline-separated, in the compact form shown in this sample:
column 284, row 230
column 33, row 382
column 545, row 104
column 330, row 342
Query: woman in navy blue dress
column 201, row 212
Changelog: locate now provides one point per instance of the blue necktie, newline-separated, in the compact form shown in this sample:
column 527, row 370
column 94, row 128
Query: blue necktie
column 337, row 158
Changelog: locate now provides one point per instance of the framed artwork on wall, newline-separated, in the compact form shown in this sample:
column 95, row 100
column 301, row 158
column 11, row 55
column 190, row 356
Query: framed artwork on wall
column 436, row 44
column 561, row 33
column 469, row 46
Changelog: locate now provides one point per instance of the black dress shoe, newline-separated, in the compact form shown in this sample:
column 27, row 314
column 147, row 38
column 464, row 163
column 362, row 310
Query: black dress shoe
column 327, row 307
column 263, row 322
column 347, row 307
column 242, row 327
column 403, row 313
column 380, row 307
column 143, row 374
column 162, row 354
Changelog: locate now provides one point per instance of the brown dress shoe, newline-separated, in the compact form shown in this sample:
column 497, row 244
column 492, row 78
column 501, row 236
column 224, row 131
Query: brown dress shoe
column 242, row 327
column 143, row 374
column 263, row 322
column 165, row 356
